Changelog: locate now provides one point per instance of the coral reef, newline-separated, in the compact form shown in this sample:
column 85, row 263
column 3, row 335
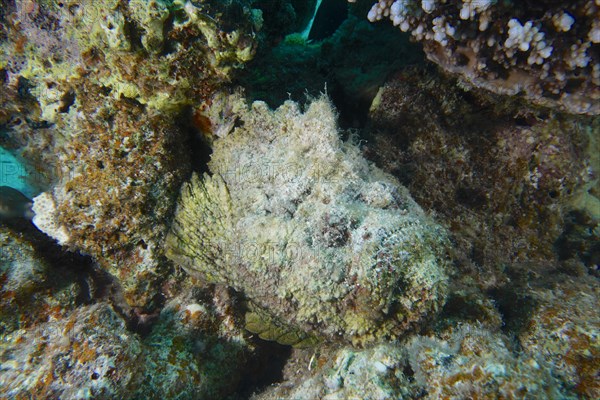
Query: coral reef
column 500, row 175
column 546, row 50
column 87, row 354
column 562, row 333
column 448, row 247
column 470, row 362
column 51, row 342
column 95, row 95
column 546, row 346
column 20, row 268
column 578, row 247
column 66, row 332
column 517, row 187
column 461, row 362
column 314, row 236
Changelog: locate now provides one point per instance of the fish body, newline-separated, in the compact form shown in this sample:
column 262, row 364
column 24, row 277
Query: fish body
column 14, row 204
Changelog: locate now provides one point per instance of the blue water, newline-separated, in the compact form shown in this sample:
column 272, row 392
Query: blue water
column 14, row 174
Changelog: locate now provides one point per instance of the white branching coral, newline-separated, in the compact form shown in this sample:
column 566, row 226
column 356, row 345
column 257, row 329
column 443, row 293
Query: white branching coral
column 471, row 8
column 541, row 53
column 526, row 38
column 563, row 21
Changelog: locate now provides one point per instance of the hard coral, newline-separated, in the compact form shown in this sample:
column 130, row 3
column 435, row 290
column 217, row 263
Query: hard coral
column 562, row 333
column 548, row 51
column 317, row 238
column 465, row 362
column 500, row 175
column 97, row 91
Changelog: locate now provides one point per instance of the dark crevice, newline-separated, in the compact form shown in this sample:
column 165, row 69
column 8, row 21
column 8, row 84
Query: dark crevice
column 200, row 149
column 133, row 34
column 579, row 242
column 67, row 267
column 267, row 364
column 462, row 308
column 328, row 19
column 67, row 100
column 349, row 62
column 516, row 309
column 169, row 47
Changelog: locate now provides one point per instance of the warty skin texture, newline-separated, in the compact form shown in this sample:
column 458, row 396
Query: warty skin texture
column 318, row 239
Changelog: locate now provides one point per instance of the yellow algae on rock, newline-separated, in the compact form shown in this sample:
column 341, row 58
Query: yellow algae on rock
column 94, row 96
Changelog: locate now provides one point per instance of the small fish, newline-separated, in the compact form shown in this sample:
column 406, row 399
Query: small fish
column 14, row 204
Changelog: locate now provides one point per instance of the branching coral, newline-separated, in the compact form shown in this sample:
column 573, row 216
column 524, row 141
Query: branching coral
column 546, row 50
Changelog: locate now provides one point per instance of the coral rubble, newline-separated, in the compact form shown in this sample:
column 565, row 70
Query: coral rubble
column 546, row 50
column 315, row 236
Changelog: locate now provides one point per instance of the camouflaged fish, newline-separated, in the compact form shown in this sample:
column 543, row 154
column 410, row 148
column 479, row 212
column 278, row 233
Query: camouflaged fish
column 323, row 244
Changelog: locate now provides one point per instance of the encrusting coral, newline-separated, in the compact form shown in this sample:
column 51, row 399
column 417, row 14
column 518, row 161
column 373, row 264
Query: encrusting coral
column 546, row 50
column 95, row 95
column 318, row 239
column 461, row 362
column 562, row 333
column 65, row 332
column 501, row 175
